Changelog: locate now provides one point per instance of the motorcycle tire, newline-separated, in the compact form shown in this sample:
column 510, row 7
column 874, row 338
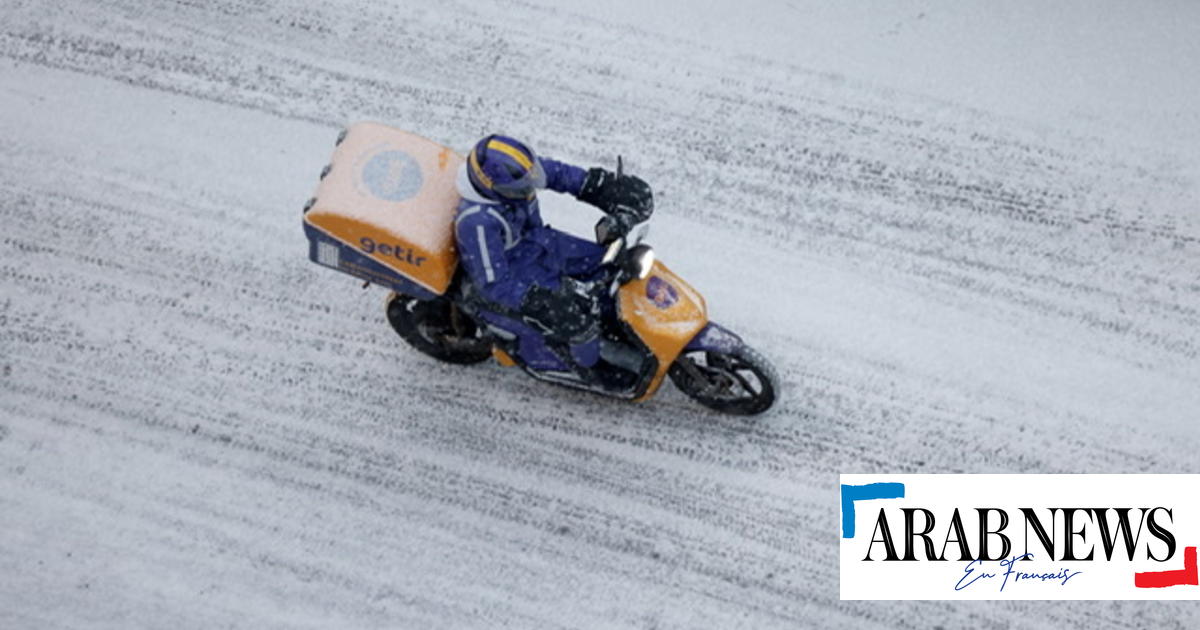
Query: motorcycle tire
column 439, row 329
column 739, row 382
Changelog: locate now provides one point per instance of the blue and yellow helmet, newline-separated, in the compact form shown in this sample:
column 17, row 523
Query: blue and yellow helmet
column 501, row 167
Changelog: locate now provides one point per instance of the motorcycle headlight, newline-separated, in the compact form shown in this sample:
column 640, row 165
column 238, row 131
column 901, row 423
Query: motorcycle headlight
column 643, row 261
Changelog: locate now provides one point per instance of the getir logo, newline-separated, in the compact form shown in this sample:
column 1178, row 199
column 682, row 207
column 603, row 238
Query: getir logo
column 1020, row 536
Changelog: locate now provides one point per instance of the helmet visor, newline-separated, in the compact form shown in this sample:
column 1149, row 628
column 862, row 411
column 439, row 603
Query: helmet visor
column 526, row 186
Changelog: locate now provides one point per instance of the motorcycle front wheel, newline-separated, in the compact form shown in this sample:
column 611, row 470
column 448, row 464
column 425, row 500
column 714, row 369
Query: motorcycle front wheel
column 740, row 382
column 439, row 329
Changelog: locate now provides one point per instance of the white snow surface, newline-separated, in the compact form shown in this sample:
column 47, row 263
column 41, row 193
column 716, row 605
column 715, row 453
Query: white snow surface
column 1124, row 70
column 200, row 428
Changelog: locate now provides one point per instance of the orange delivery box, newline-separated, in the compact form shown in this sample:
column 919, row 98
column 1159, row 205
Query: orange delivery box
column 384, row 210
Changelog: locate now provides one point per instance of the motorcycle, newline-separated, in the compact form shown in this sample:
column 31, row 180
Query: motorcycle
column 654, row 327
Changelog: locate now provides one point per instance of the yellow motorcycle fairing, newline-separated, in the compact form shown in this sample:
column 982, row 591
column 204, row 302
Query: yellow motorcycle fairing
column 666, row 313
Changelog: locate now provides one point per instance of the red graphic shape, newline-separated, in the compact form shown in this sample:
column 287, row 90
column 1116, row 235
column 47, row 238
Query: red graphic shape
column 1188, row 576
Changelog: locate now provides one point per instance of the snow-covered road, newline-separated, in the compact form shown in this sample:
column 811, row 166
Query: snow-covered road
column 199, row 428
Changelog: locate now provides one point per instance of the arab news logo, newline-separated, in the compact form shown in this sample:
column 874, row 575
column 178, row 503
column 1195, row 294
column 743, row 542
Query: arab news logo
column 1155, row 520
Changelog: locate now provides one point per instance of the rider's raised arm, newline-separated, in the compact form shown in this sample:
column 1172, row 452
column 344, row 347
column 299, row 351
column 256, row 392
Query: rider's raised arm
column 483, row 237
column 562, row 177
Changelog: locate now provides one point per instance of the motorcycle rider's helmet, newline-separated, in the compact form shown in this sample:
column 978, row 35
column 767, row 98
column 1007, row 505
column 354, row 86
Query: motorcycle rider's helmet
column 503, row 168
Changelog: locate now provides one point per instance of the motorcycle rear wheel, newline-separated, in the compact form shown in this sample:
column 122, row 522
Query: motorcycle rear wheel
column 740, row 382
column 439, row 329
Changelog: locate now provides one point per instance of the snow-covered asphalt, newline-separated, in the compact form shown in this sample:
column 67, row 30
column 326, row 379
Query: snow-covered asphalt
column 201, row 429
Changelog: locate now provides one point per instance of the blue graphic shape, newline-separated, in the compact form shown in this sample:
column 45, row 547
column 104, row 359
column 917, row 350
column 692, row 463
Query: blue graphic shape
column 850, row 494
column 661, row 293
column 393, row 176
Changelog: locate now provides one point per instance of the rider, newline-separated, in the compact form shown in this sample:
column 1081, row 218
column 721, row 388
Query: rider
column 522, row 267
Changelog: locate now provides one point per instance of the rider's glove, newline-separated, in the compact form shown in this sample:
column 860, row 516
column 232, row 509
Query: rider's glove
column 569, row 314
column 599, row 188
column 625, row 194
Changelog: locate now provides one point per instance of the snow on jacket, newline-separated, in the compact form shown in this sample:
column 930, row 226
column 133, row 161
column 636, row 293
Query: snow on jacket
column 506, row 248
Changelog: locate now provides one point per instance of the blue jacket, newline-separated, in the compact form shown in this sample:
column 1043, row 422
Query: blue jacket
column 504, row 246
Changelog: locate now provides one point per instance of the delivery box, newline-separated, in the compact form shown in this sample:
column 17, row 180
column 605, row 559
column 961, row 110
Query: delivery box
column 384, row 210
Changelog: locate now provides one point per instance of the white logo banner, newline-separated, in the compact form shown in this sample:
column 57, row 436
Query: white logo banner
column 1020, row 536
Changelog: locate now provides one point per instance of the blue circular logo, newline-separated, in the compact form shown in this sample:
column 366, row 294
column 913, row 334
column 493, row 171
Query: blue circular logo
column 661, row 293
column 392, row 176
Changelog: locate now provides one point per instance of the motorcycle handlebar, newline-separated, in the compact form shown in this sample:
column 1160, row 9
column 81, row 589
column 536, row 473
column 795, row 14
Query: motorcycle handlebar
column 622, row 216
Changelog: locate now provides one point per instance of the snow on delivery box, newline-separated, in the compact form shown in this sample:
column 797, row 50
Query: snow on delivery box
column 384, row 210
